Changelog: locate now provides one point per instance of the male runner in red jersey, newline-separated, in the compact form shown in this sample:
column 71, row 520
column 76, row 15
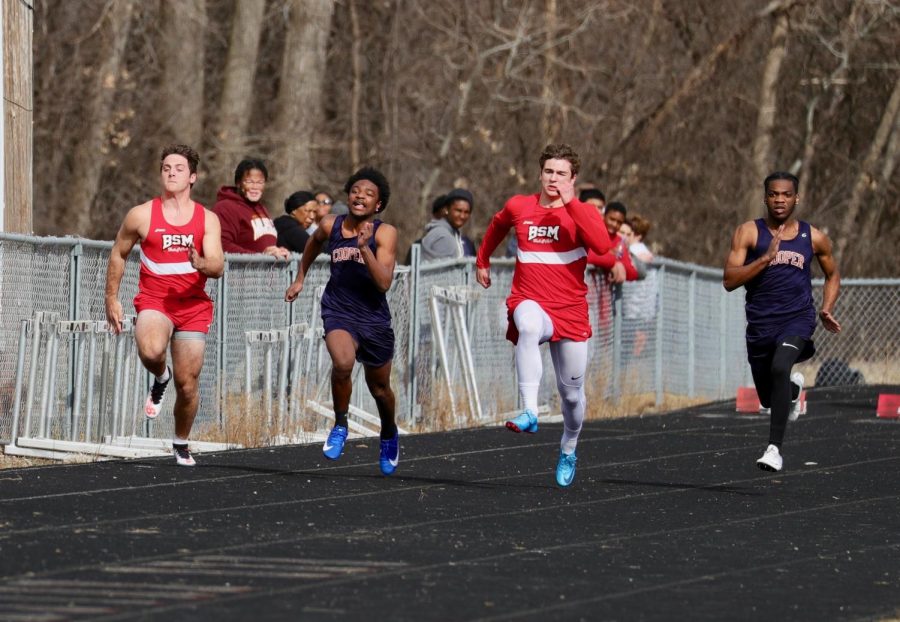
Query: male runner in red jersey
column 548, row 298
column 181, row 245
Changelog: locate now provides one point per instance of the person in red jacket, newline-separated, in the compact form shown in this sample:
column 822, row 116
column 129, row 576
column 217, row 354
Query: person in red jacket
column 246, row 224
column 548, row 301
column 617, row 261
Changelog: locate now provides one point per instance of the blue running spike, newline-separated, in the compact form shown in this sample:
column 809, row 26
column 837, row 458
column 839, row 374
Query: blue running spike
column 565, row 469
column 526, row 422
column 334, row 446
column 390, row 454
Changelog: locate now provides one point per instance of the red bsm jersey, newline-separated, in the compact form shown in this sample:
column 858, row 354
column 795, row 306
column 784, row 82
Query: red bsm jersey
column 551, row 259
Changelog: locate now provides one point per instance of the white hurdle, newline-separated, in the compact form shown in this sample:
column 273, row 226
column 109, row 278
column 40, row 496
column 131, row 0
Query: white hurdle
column 455, row 299
column 112, row 426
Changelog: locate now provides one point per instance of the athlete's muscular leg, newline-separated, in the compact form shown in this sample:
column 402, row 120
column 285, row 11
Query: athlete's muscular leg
column 570, row 362
column 761, row 369
column 535, row 327
column 378, row 379
column 786, row 354
column 152, row 333
column 342, row 349
column 187, row 361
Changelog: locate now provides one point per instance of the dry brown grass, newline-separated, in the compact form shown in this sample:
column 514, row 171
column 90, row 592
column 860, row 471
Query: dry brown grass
column 438, row 415
column 18, row 462
column 249, row 425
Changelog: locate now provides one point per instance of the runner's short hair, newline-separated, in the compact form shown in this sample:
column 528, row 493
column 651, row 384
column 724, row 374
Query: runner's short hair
column 376, row 177
column 781, row 175
column 561, row 151
column 189, row 153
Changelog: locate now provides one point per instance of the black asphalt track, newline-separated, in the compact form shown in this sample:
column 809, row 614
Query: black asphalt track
column 668, row 519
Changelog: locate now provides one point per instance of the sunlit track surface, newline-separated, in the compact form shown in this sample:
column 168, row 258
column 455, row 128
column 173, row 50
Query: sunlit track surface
column 668, row 519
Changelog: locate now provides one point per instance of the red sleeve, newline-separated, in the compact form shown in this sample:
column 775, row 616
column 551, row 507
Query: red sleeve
column 605, row 261
column 631, row 273
column 496, row 231
column 591, row 228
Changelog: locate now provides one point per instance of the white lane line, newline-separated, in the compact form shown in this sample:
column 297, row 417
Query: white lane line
column 701, row 578
column 222, row 478
column 409, row 571
column 544, row 508
column 417, row 488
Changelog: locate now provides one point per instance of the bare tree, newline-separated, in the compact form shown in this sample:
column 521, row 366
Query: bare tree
column 867, row 177
column 676, row 108
column 182, row 54
column 87, row 161
column 236, row 100
column 299, row 105
column 768, row 102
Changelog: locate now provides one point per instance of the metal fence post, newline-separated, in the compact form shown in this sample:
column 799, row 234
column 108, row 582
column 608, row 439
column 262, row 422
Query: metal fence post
column 661, row 288
column 617, row 343
column 221, row 336
column 413, row 332
column 723, row 332
column 692, row 340
column 74, row 303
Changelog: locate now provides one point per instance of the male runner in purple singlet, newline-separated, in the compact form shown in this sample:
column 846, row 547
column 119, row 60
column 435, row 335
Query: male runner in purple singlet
column 355, row 311
column 771, row 258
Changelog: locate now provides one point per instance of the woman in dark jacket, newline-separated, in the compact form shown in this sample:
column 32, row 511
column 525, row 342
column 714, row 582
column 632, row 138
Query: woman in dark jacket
column 300, row 212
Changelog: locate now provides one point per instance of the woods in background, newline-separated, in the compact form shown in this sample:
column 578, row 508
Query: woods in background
column 677, row 108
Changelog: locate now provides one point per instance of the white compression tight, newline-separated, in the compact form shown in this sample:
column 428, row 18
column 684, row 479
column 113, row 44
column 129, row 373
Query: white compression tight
column 569, row 361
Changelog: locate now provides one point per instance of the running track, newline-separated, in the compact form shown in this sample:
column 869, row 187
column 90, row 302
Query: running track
column 668, row 519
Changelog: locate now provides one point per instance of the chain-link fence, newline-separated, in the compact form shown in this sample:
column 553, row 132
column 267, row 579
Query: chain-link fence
column 676, row 334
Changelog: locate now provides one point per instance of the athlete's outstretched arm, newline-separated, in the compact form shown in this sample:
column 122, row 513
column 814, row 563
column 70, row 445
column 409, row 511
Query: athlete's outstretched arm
column 128, row 235
column 212, row 263
column 497, row 229
column 736, row 273
column 310, row 252
column 381, row 262
column 822, row 249
column 591, row 228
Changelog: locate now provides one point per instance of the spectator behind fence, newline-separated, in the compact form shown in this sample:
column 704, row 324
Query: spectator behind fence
column 246, row 224
column 639, row 299
column 593, row 196
column 299, row 213
column 443, row 239
column 437, row 214
column 324, row 205
column 617, row 262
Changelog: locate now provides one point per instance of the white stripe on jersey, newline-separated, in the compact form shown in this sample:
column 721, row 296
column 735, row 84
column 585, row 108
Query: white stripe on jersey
column 180, row 267
column 551, row 257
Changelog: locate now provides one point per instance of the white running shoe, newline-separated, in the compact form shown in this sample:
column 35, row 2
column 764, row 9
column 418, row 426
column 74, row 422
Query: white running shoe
column 153, row 405
column 183, row 455
column 765, row 411
column 771, row 460
column 796, row 405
